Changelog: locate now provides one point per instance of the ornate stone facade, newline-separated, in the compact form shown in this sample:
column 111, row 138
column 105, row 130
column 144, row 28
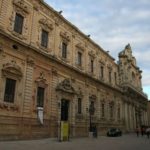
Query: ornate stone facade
column 70, row 67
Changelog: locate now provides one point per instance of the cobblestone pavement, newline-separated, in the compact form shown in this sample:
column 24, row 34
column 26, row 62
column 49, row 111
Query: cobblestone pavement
column 126, row 142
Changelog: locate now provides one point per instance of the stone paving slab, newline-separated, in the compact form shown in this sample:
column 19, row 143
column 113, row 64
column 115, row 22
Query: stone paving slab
column 126, row 142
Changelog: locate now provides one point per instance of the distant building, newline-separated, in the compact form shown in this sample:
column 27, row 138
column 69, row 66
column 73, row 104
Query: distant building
column 51, row 72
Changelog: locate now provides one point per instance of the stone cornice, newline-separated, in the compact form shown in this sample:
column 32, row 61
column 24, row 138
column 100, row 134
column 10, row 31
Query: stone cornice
column 57, row 14
column 59, row 61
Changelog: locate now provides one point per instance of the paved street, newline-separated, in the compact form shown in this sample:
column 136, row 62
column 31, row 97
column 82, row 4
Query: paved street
column 126, row 142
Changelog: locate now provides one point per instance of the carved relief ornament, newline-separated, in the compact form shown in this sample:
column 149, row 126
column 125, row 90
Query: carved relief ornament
column 12, row 69
column 65, row 86
column 22, row 5
column 41, row 80
column 65, row 36
column 92, row 54
column 80, row 46
column 46, row 24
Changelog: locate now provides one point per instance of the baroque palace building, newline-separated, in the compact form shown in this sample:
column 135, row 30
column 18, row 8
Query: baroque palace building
column 50, row 72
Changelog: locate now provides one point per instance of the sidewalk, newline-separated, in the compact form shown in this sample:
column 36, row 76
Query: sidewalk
column 126, row 142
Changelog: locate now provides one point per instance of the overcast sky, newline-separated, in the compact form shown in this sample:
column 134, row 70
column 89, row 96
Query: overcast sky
column 113, row 24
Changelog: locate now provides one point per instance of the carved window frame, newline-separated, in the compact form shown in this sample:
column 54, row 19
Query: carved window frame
column 91, row 59
column 91, row 65
column 42, row 83
column 24, row 12
column 79, row 108
column 102, row 109
column 45, row 25
column 79, row 49
column 119, row 112
column 12, row 71
column 64, row 38
column 111, row 110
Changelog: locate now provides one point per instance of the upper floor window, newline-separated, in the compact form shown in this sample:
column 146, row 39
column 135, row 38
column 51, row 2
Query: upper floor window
column 102, row 72
column 118, row 113
column 103, row 109
column 64, row 50
column 92, row 66
column 40, row 97
column 115, row 75
column 79, row 105
column 79, row 59
column 44, row 38
column 9, row 90
column 111, row 111
column 109, row 76
column 133, row 76
column 18, row 26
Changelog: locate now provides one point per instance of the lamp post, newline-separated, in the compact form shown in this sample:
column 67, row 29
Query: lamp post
column 91, row 112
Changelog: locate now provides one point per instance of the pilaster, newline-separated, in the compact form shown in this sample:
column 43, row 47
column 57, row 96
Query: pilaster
column 28, row 88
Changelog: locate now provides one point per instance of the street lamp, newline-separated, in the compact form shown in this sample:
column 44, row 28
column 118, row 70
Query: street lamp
column 91, row 112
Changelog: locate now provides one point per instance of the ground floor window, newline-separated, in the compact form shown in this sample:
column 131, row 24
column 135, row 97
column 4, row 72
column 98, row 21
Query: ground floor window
column 40, row 97
column 10, row 87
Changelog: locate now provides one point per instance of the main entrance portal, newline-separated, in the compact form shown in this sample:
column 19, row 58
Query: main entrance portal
column 64, row 110
column 64, row 120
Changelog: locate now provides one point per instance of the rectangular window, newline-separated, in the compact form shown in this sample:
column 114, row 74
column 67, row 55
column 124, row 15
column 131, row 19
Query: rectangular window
column 103, row 110
column 79, row 58
column 111, row 111
column 118, row 113
column 18, row 26
column 92, row 66
column 102, row 72
column 110, row 76
column 64, row 50
column 40, row 97
column 44, row 38
column 79, row 106
column 115, row 75
column 9, row 90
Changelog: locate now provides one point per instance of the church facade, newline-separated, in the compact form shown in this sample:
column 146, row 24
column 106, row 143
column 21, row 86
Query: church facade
column 50, row 72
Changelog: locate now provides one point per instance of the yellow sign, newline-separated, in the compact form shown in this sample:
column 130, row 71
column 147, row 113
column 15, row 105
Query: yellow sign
column 64, row 131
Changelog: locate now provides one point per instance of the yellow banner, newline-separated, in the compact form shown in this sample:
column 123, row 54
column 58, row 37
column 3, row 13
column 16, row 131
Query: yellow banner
column 64, row 131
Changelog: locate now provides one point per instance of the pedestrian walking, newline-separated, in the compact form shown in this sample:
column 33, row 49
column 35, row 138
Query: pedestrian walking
column 142, row 131
column 148, row 132
column 137, row 131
